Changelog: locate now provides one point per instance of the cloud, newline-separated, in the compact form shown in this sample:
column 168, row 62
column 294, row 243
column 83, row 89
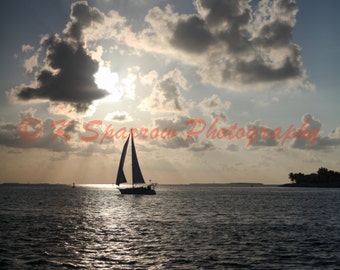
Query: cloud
column 27, row 113
column 306, row 137
column 177, row 122
column 193, row 145
column 264, row 101
column 201, row 146
column 52, row 139
column 72, row 109
column 68, row 76
column 31, row 62
column 262, row 135
column 82, row 16
column 322, row 142
column 232, row 147
column 191, row 35
column 27, row 48
column 9, row 136
column 254, row 52
column 174, row 143
column 214, row 107
column 232, row 44
column 166, row 95
column 180, row 140
column 150, row 78
column 118, row 116
column 31, row 57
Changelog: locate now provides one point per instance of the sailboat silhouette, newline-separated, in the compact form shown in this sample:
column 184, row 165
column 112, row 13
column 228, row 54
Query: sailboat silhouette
column 138, row 184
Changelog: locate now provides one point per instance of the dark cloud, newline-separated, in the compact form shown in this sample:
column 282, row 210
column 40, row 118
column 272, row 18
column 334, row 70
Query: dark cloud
column 69, row 75
column 82, row 16
column 118, row 117
column 229, row 18
column 234, row 41
column 258, row 70
column 287, row 6
column 121, row 117
column 234, row 13
column 192, row 35
column 274, row 34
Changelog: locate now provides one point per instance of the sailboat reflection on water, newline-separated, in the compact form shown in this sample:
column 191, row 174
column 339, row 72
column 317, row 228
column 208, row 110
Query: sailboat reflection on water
column 138, row 184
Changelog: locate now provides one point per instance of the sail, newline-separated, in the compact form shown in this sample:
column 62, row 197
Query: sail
column 120, row 174
column 137, row 177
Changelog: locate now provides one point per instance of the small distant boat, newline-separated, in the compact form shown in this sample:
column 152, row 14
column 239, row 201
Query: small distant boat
column 138, row 185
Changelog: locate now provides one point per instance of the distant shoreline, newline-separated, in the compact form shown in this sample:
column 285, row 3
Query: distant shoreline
column 32, row 184
column 326, row 185
column 236, row 184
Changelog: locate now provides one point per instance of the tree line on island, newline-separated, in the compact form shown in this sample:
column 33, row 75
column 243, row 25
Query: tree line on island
column 322, row 178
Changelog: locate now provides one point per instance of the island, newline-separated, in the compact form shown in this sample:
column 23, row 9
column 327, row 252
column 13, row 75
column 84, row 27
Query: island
column 322, row 178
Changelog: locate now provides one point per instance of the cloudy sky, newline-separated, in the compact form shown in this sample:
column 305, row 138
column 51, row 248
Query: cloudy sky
column 216, row 91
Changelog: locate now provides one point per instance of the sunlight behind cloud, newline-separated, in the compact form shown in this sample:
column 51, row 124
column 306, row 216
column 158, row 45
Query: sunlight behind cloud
column 105, row 79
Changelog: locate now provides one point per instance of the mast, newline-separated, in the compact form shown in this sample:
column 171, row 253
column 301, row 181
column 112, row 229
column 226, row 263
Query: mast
column 137, row 177
column 120, row 174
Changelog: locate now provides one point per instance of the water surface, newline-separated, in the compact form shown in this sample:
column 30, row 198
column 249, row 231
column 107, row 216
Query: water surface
column 182, row 227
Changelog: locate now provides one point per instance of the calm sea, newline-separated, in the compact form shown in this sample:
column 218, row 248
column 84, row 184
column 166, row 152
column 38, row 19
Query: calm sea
column 182, row 227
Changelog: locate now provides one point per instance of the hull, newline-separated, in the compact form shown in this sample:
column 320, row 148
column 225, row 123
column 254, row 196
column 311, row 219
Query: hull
column 138, row 190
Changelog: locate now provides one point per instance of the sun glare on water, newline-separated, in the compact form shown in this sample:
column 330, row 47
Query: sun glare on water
column 105, row 79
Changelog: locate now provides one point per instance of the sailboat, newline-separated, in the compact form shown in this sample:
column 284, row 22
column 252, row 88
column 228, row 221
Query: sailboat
column 138, row 184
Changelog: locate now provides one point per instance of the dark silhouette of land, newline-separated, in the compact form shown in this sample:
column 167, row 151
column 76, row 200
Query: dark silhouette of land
column 323, row 178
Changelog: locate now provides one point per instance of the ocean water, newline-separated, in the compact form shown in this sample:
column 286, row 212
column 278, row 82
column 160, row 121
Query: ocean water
column 182, row 227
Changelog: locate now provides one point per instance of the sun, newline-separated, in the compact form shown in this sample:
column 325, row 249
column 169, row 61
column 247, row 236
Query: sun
column 105, row 79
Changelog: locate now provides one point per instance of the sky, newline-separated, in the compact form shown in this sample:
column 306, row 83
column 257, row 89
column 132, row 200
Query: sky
column 215, row 91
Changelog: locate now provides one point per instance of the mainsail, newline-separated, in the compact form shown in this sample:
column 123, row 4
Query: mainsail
column 120, row 175
column 137, row 177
